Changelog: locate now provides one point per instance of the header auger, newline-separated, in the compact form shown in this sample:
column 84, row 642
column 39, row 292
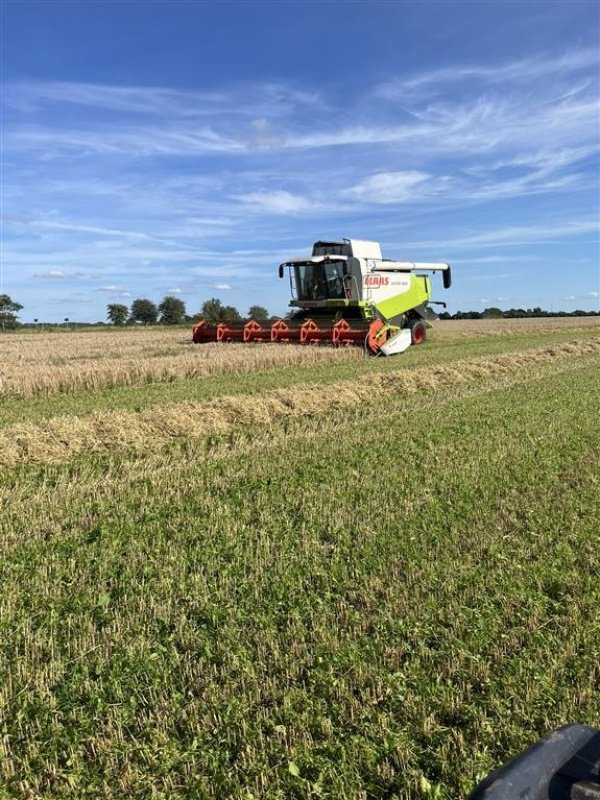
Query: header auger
column 345, row 294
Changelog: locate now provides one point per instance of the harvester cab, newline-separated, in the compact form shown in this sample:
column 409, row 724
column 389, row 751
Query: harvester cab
column 345, row 293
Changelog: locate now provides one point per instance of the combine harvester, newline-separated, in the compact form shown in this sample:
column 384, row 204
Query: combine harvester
column 345, row 294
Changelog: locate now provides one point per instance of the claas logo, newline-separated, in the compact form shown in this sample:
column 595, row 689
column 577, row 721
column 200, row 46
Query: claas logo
column 376, row 280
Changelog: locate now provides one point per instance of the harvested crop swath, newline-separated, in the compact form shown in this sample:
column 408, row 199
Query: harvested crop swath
column 469, row 328
column 63, row 437
column 51, row 363
column 60, row 348
column 25, row 378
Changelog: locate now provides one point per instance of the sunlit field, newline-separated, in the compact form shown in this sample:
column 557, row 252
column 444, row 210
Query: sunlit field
column 279, row 572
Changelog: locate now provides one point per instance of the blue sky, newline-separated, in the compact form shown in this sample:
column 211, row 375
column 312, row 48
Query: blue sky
column 154, row 148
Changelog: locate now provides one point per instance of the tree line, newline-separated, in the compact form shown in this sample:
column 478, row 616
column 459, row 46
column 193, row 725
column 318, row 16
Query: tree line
column 171, row 311
column 515, row 313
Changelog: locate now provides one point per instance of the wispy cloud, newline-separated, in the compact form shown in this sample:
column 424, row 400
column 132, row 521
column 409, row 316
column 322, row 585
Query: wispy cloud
column 252, row 100
column 491, row 276
column 498, row 259
column 117, row 291
column 275, row 202
column 584, row 296
column 58, row 274
column 515, row 106
column 561, row 232
column 508, row 132
column 528, row 69
column 151, row 186
column 389, row 187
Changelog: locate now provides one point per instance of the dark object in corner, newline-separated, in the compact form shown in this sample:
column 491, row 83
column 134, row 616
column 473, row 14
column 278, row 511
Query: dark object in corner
column 563, row 766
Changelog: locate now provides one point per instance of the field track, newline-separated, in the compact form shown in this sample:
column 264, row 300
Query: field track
column 323, row 577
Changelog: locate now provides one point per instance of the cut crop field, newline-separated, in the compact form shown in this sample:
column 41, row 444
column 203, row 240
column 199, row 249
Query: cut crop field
column 285, row 573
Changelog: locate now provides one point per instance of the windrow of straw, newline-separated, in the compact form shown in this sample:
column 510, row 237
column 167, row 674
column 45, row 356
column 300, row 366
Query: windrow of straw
column 61, row 347
column 475, row 328
column 64, row 437
column 26, row 379
column 48, row 363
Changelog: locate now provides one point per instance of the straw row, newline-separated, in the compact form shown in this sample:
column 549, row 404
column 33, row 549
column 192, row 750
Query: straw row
column 62, row 438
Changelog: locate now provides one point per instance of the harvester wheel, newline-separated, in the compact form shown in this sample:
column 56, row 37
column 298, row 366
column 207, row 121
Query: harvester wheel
column 418, row 332
column 376, row 336
column 369, row 349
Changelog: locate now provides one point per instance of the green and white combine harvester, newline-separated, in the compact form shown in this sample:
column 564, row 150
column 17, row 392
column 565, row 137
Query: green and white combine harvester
column 345, row 294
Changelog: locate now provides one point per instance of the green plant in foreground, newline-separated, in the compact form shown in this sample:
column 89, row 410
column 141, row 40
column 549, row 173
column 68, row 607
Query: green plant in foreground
column 379, row 602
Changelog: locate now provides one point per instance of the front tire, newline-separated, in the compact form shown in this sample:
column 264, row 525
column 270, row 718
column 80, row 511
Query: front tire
column 369, row 350
column 418, row 332
column 373, row 341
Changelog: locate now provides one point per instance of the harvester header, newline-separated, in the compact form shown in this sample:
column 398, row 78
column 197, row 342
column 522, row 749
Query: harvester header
column 345, row 293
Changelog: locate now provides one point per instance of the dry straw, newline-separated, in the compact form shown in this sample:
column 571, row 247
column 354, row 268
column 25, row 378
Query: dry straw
column 64, row 437
column 80, row 363
column 48, row 363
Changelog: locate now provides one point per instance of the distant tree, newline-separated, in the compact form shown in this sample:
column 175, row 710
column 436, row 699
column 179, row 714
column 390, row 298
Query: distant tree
column 258, row 313
column 493, row 312
column 143, row 311
column 516, row 313
column 214, row 311
column 9, row 310
column 231, row 314
column 117, row 313
column 172, row 311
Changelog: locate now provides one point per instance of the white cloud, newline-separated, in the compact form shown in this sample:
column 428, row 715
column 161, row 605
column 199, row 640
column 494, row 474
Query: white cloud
column 388, row 187
column 491, row 276
column 60, row 273
column 275, row 202
column 96, row 230
column 285, row 175
column 176, row 290
column 498, row 259
column 527, row 69
column 81, row 228
column 139, row 141
column 585, row 296
column 115, row 290
column 515, row 132
column 549, row 233
column 502, row 107
column 253, row 100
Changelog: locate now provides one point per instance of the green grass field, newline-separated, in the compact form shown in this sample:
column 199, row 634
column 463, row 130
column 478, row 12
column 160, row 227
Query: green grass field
column 383, row 598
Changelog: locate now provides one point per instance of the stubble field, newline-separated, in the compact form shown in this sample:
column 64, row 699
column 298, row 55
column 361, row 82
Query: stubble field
column 270, row 572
